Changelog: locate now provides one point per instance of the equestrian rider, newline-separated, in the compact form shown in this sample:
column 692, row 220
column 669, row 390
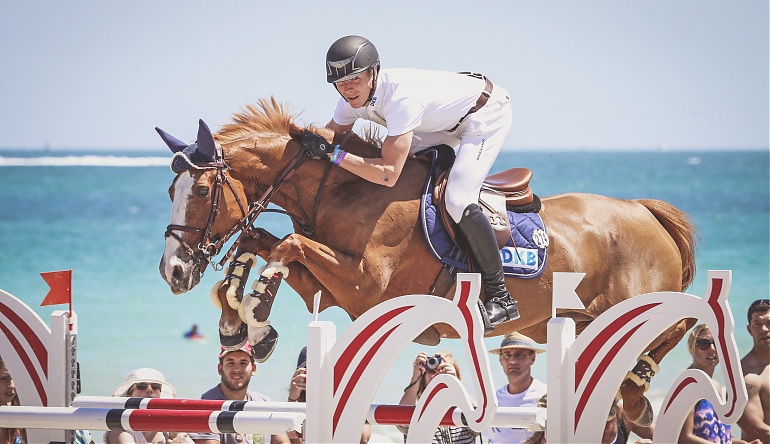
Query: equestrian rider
column 422, row 109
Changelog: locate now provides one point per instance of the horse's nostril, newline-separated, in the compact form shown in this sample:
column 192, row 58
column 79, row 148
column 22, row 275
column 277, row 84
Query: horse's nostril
column 176, row 272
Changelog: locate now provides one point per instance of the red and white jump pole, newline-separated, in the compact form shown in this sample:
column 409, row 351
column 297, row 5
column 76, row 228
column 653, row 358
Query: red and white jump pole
column 380, row 414
column 201, row 421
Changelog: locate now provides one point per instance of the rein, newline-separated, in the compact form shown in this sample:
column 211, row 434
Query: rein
column 256, row 208
column 261, row 204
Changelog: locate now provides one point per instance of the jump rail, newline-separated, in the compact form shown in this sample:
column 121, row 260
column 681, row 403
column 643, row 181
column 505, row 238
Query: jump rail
column 380, row 414
column 201, row 421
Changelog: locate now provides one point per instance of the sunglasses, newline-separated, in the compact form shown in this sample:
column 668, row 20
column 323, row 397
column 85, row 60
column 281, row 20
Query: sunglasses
column 705, row 344
column 144, row 385
column 517, row 355
column 759, row 302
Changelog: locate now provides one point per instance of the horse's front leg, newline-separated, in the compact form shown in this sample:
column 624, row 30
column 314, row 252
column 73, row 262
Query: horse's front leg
column 340, row 276
column 227, row 295
column 261, row 243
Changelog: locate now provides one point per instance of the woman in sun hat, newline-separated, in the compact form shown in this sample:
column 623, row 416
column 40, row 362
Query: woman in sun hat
column 145, row 383
column 517, row 355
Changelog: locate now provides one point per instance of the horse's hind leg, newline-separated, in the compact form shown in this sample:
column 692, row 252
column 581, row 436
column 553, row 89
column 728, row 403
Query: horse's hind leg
column 636, row 406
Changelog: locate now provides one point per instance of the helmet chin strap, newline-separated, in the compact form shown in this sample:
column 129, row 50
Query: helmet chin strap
column 375, row 72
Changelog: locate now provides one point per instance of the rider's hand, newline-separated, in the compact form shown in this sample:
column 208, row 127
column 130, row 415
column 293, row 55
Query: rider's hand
column 315, row 146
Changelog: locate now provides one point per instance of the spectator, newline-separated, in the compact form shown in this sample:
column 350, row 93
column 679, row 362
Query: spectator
column 517, row 354
column 616, row 429
column 755, row 422
column 297, row 393
column 702, row 424
column 424, row 369
column 8, row 396
column 144, row 383
column 236, row 367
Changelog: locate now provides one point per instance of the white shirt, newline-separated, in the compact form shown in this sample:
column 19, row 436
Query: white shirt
column 527, row 398
column 415, row 100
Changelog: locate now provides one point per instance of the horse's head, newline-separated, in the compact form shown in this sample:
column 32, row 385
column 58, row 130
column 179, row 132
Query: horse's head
column 207, row 203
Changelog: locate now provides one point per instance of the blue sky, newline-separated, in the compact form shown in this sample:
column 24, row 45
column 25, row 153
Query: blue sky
column 652, row 74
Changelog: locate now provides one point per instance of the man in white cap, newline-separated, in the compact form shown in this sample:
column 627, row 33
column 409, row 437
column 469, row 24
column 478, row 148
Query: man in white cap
column 236, row 367
column 517, row 354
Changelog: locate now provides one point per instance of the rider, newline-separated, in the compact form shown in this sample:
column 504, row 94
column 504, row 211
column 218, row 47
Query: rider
column 421, row 109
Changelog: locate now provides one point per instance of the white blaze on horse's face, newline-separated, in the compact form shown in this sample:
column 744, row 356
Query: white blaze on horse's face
column 180, row 274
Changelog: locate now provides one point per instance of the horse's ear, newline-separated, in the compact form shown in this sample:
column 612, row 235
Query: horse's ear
column 175, row 144
column 206, row 145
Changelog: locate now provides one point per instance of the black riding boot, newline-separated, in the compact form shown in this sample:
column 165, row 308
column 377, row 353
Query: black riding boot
column 482, row 245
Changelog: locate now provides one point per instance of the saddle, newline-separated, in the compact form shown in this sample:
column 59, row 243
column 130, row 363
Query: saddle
column 501, row 191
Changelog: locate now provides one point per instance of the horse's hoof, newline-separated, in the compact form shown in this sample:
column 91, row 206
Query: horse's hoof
column 236, row 340
column 257, row 306
column 428, row 337
column 264, row 348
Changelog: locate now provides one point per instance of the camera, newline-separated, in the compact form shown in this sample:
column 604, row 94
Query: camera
column 433, row 362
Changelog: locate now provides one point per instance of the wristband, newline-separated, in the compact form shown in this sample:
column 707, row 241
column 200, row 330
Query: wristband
column 337, row 155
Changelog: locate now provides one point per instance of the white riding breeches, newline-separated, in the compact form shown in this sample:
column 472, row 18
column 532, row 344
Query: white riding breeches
column 481, row 135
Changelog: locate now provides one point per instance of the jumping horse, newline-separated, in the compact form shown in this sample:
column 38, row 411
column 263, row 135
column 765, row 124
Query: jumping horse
column 360, row 243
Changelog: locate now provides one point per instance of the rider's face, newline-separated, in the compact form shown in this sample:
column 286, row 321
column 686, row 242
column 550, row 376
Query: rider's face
column 356, row 90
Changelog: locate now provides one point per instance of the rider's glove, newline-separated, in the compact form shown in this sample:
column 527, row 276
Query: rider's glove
column 315, row 146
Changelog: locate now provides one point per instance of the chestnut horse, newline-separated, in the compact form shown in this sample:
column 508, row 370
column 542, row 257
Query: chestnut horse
column 360, row 243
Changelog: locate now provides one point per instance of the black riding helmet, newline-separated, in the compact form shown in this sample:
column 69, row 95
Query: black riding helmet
column 350, row 56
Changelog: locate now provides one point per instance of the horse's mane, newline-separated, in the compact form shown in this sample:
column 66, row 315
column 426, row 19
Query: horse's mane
column 266, row 118
column 269, row 118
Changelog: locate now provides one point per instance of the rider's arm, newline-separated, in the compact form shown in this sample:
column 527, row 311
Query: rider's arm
column 385, row 170
column 337, row 128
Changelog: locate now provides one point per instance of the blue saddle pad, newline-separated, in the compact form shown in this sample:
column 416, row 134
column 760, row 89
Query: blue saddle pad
column 524, row 256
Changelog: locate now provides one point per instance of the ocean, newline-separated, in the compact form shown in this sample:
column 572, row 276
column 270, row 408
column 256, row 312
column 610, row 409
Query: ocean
column 103, row 215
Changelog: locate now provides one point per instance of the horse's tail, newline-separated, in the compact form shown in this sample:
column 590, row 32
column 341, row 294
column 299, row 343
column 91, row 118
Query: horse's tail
column 679, row 226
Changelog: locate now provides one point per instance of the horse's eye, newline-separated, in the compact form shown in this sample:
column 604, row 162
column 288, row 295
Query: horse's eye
column 202, row 191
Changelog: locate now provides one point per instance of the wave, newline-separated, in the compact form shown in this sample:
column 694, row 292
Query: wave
column 99, row 161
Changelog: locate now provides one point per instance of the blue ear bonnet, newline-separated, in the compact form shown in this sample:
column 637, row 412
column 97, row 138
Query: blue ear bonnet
column 188, row 158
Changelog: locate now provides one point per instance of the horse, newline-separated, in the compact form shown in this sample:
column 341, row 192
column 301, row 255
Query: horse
column 360, row 243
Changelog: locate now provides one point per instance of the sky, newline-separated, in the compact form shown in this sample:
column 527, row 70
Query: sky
column 583, row 75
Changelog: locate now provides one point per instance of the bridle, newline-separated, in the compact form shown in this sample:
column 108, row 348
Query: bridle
column 208, row 248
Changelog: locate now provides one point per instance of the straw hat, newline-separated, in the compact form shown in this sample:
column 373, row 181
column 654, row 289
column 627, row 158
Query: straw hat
column 517, row 340
column 149, row 375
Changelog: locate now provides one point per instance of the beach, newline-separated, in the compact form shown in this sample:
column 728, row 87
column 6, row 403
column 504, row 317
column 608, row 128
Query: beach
column 103, row 215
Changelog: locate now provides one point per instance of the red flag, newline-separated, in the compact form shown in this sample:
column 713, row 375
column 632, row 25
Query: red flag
column 61, row 287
